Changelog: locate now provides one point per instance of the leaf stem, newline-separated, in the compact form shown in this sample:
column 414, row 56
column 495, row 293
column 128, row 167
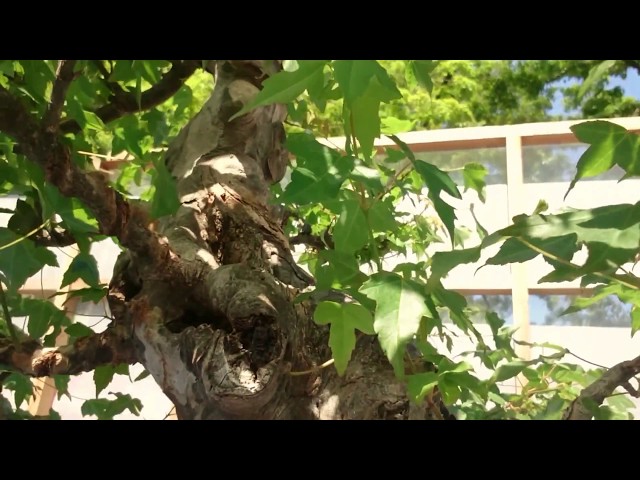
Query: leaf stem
column 375, row 251
column 354, row 144
column 533, row 391
column 7, row 317
column 587, row 361
column 19, row 239
column 392, row 182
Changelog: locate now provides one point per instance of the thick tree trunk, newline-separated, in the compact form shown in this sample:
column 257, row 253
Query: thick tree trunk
column 224, row 339
column 204, row 298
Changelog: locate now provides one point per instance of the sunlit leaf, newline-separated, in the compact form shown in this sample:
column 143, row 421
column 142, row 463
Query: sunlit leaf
column 342, row 269
column 351, row 231
column 283, row 87
column 597, row 73
column 400, row 304
column 611, row 233
column 344, row 318
column 420, row 385
column 356, row 76
column 75, row 216
column 42, row 315
column 474, row 175
column 635, row 320
column 610, row 144
column 381, row 216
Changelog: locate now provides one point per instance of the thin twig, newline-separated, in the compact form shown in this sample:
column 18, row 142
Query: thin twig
column 64, row 77
column 312, row 370
column 587, row 361
column 393, row 180
column 23, row 237
column 114, row 87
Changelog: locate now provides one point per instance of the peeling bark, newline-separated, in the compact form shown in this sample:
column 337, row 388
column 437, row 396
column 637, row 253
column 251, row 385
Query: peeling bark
column 236, row 362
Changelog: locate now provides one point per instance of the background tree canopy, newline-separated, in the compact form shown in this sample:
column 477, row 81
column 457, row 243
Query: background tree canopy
column 206, row 293
column 466, row 93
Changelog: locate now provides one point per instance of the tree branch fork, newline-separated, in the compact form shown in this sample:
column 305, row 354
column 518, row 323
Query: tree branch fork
column 594, row 395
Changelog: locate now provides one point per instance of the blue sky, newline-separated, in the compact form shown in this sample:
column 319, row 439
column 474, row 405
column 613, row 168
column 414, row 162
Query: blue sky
column 630, row 85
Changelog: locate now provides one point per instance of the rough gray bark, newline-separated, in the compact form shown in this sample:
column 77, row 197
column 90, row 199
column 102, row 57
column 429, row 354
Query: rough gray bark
column 223, row 346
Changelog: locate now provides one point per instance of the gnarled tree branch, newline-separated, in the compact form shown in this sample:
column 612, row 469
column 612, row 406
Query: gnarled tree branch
column 593, row 395
column 209, row 299
column 111, row 347
column 112, row 86
column 116, row 217
column 64, row 77
column 125, row 103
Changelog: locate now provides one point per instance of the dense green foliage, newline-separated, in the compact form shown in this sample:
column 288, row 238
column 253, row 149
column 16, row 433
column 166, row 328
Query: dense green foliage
column 464, row 93
column 350, row 199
